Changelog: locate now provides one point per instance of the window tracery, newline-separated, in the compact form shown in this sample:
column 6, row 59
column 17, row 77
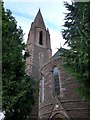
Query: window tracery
column 56, row 80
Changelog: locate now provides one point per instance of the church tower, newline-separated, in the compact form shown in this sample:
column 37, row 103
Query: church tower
column 38, row 46
column 56, row 98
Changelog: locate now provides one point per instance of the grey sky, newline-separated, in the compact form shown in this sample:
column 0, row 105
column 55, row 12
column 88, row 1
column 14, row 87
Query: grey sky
column 52, row 12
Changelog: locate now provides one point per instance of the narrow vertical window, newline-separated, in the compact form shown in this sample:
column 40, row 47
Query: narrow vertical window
column 41, row 38
column 40, row 59
column 42, row 88
column 56, row 81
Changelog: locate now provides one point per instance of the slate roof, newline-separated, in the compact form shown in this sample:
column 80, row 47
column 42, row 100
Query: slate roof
column 58, row 53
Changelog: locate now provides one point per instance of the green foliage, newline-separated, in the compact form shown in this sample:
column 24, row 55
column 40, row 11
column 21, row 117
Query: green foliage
column 77, row 36
column 18, row 91
column 27, row 54
column 0, row 56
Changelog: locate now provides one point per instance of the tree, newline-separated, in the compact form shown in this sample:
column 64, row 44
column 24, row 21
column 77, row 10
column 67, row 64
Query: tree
column 77, row 36
column 18, row 91
column 0, row 57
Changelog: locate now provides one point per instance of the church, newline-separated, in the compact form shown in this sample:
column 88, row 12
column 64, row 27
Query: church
column 56, row 98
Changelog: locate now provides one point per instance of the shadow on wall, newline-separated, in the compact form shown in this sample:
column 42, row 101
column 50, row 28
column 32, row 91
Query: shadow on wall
column 59, row 116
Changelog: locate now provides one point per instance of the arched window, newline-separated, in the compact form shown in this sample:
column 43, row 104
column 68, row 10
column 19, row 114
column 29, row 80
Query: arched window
column 56, row 81
column 41, row 38
column 40, row 59
column 42, row 88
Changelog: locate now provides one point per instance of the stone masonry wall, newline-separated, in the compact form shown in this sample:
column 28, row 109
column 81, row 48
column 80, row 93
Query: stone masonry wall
column 69, row 99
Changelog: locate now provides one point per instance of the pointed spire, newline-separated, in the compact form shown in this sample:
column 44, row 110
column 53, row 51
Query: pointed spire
column 48, row 34
column 39, row 10
column 60, row 45
column 38, row 21
column 48, row 39
column 48, row 31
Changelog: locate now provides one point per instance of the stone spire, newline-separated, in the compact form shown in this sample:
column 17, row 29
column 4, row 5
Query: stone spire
column 48, row 34
column 38, row 21
column 48, row 39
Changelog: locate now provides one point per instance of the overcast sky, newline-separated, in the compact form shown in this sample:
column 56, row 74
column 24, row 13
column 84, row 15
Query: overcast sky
column 52, row 11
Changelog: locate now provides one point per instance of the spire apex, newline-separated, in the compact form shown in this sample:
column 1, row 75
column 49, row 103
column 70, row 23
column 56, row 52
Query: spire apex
column 39, row 10
column 38, row 21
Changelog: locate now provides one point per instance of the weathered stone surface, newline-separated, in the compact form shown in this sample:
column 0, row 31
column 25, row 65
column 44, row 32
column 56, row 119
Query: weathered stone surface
column 39, row 54
column 69, row 99
column 65, row 106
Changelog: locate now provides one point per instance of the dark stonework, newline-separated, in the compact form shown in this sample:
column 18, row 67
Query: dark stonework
column 39, row 53
column 71, row 105
column 65, row 106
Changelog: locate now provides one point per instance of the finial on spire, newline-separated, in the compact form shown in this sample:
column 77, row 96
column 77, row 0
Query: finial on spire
column 39, row 9
column 60, row 45
column 48, row 30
